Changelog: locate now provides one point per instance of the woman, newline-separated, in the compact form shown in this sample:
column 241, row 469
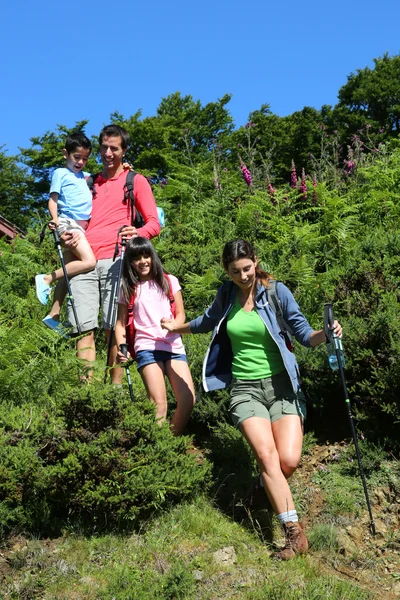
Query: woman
column 266, row 402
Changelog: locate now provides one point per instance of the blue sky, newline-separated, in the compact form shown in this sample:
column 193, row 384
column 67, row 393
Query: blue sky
column 60, row 66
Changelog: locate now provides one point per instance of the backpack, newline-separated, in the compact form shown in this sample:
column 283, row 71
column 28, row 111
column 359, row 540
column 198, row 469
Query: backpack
column 130, row 323
column 137, row 218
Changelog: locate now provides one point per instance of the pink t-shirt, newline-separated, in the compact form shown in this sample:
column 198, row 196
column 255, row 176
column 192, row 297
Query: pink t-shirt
column 150, row 306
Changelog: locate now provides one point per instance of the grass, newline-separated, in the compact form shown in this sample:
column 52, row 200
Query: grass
column 172, row 557
column 174, row 554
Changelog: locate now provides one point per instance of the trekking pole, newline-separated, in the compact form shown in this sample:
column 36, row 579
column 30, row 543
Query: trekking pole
column 124, row 349
column 116, row 293
column 337, row 344
column 69, row 295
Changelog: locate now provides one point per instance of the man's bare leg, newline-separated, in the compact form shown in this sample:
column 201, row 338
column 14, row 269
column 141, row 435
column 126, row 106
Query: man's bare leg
column 117, row 373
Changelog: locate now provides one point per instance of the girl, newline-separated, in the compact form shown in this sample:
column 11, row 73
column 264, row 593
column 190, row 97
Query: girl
column 155, row 295
column 266, row 402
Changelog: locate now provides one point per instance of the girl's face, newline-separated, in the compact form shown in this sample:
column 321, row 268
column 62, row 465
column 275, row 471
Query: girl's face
column 243, row 272
column 142, row 267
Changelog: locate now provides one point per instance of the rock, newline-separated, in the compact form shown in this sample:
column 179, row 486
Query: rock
column 198, row 575
column 225, row 556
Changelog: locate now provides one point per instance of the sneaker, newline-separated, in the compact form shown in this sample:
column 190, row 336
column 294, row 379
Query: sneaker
column 42, row 289
column 55, row 326
column 296, row 541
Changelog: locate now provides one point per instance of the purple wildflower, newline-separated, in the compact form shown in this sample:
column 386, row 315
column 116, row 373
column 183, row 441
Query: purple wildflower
column 246, row 174
column 293, row 176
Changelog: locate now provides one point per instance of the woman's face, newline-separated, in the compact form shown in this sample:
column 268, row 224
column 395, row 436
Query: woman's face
column 142, row 267
column 243, row 272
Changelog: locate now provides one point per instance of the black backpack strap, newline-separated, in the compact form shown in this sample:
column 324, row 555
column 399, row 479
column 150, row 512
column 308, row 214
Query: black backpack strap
column 276, row 306
column 91, row 180
column 129, row 196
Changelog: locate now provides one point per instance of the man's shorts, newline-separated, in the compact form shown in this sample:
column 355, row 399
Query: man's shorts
column 92, row 290
column 148, row 357
column 271, row 398
column 70, row 225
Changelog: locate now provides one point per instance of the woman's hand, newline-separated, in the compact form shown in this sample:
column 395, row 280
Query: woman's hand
column 168, row 324
column 337, row 329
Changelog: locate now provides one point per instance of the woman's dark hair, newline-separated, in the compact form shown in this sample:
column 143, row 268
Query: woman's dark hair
column 115, row 131
column 238, row 249
column 137, row 247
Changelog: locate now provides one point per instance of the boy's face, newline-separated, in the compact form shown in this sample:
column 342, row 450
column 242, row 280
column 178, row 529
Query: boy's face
column 77, row 159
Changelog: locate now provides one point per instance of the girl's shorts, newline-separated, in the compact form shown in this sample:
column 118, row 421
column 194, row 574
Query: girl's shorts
column 147, row 357
column 271, row 398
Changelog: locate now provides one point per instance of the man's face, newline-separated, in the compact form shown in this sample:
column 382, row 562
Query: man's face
column 111, row 151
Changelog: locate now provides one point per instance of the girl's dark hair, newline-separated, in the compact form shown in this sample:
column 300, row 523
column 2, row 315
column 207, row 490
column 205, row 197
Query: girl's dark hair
column 238, row 249
column 137, row 247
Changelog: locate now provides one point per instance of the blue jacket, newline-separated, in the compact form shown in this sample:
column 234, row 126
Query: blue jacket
column 217, row 366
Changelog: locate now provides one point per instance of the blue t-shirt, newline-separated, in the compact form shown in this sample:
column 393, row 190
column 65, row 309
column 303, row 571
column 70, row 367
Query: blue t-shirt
column 75, row 198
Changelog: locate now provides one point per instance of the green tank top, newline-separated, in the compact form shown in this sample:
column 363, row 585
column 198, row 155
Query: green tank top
column 255, row 353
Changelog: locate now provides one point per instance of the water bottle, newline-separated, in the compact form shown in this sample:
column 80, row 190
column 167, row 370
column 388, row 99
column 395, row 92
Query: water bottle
column 333, row 343
column 331, row 349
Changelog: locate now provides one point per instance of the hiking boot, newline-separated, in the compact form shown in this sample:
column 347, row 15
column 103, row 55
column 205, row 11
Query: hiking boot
column 296, row 541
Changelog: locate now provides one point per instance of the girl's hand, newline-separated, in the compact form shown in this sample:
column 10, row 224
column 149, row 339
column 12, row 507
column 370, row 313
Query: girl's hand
column 52, row 225
column 167, row 324
column 121, row 358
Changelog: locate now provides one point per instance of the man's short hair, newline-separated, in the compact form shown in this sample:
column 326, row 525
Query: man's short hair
column 115, row 131
column 77, row 139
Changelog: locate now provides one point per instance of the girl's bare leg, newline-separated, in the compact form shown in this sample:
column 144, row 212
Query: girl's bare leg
column 153, row 379
column 181, row 382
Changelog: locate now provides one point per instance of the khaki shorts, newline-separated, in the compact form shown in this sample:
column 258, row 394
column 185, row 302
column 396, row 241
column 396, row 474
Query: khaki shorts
column 67, row 224
column 92, row 290
column 271, row 398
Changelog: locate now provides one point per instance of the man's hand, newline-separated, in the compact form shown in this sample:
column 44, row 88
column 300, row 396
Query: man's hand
column 70, row 239
column 128, row 232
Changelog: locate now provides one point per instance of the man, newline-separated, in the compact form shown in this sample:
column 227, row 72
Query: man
column 110, row 212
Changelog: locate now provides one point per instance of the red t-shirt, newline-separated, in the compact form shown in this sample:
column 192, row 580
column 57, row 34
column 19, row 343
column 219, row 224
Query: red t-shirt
column 109, row 213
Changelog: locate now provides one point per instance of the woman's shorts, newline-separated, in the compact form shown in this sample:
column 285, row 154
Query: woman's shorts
column 271, row 398
column 147, row 357
column 70, row 225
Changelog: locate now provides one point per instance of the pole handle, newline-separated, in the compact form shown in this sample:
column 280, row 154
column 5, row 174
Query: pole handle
column 124, row 349
column 56, row 236
column 328, row 321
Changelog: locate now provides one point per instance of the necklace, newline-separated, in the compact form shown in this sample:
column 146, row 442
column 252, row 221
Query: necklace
column 246, row 303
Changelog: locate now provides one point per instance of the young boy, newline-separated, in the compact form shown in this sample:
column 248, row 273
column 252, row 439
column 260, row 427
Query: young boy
column 70, row 206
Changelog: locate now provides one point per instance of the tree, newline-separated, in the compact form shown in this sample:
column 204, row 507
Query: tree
column 372, row 96
column 17, row 202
